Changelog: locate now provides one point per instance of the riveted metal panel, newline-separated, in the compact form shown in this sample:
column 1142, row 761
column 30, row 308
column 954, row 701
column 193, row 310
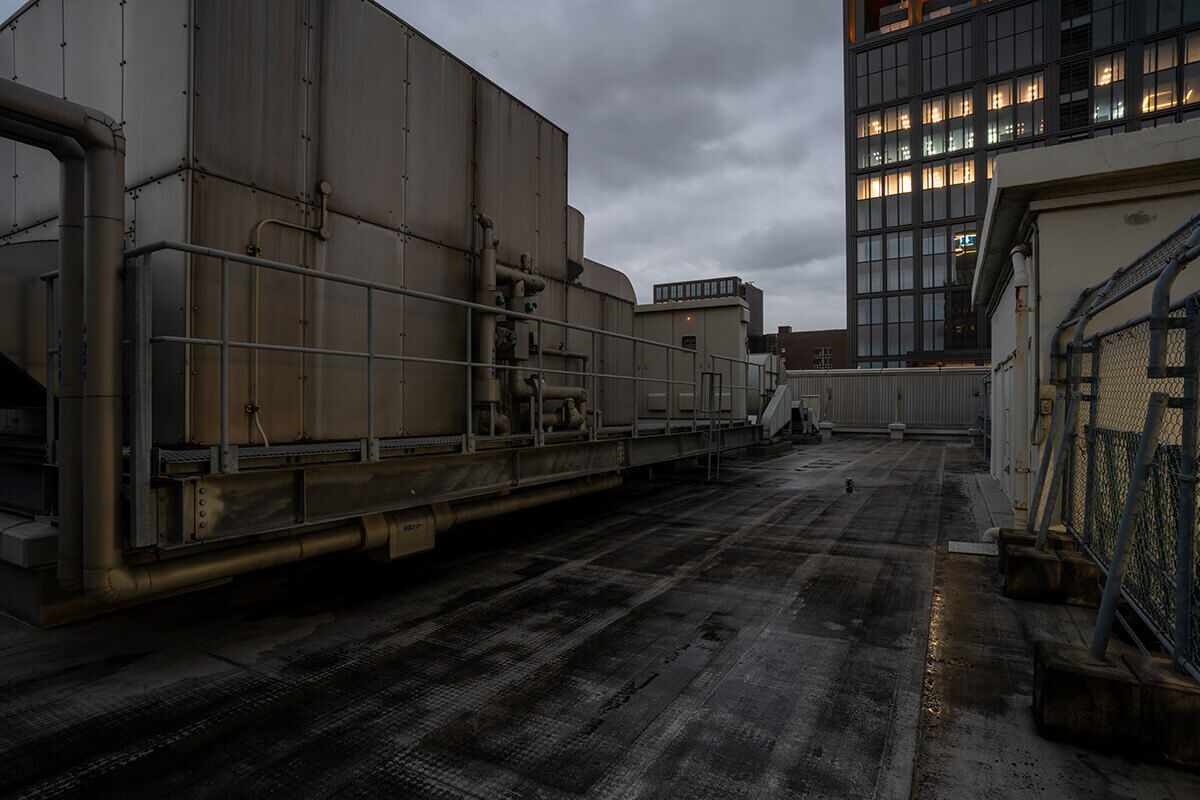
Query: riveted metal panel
column 23, row 324
column 38, row 63
column 221, row 211
column 158, row 211
column 156, row 95
column 252, row 122
column 434, row 394
column 552, row 201
column 507, row 158
column 440, row 141
column 92, row 54
column 616, row 358
column 8, row 148
column 362, row 120
column 335, row 387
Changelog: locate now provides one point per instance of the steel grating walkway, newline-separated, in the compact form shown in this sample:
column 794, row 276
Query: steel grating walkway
column 761, row 637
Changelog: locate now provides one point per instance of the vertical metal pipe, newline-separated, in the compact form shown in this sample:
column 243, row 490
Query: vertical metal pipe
column 1056, row 476
column 1089, row 485
column 224, row 365
column 1185, row 540
column 70, row 383
column 372, row 444
column 144, row 531
column 1155, row 410
column 104, row 236
column 1044, row 462
column 695, row 391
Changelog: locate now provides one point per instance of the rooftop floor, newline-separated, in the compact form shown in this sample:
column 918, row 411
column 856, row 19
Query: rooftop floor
column 764, row 636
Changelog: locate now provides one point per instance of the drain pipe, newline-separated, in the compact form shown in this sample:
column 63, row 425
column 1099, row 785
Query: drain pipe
column 1021, row 458
column 70, row 382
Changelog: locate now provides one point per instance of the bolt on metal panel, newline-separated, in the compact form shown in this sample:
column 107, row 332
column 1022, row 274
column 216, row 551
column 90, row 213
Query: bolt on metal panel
column 92, row 54
column 507, row 163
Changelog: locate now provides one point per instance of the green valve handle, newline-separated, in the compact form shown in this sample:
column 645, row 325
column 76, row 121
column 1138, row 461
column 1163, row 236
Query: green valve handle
column 499, row 299
column 529, row 307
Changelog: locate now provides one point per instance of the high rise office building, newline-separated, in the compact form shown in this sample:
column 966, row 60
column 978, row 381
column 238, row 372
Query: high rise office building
column 935, row 90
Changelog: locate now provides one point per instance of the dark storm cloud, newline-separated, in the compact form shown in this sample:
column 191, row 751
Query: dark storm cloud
column 705, row 135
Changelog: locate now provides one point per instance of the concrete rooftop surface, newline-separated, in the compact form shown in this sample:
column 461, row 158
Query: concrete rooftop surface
column 768, row 635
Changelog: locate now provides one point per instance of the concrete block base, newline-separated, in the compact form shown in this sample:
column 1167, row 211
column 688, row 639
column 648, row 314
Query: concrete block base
column 1170, row 710
column 1080, row 579
column 1031, row 574
column 1080, row 699
column 1136, row 703
column 826, row 431
column 1017, row 537
column 896, row 430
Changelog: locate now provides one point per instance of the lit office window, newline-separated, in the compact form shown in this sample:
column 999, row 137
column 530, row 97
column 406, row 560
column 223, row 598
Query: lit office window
column 946, row 124
column 946, row 56
column 1158, row 76
column 884, row 199
column 948, row 189
column 869, row 264
column 881, row 75
column 1191, row 69
column 899, row 251
column 933, row 321
column 1164, row 14
column 884, row 137
column 1014, row 38
column 1108, row 88
column 1016, row 109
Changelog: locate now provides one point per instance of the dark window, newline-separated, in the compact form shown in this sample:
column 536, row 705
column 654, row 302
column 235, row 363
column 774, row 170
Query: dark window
column 1088, row 24
column 899, row 263
column 1015, row 38
column 1162, row 15
column 869, row 266
column 688, row 343
column 946, row 56
column 881, row 75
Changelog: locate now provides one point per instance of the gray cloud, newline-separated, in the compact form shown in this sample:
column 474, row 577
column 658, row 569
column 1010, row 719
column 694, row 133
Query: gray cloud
column 705, row 135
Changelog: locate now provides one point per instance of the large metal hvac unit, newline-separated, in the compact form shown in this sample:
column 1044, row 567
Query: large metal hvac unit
column 352, row 306
column 335, row 117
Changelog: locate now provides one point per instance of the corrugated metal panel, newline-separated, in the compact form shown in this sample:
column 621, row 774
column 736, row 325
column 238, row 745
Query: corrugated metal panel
column 38, row 63
column 253, row 93
column 551, row 252
column 434, row 395
column 159, row 209
column 156, row 97
column 335, row 395
column 361, row 141
column 8, row 149
column 220, row 212
column 23, row 326
column 507, row 159
column 575, row 224
column 92, row 54
column 440, row 141
column 928, row 398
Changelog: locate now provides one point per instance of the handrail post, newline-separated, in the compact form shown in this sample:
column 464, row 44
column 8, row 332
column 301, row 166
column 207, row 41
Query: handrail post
column 1089, row 485
column 695, row 391
column 594, row 394
column 540, row 437
column 225, row 460
column 633, row 425
column 670, row 387
column 1185, row 553
column 1147, row 447
column 372, row 442
column 144, row 530
column 469, row 431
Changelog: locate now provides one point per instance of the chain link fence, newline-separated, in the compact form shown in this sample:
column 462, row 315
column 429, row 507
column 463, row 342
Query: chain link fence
column 1131, row 500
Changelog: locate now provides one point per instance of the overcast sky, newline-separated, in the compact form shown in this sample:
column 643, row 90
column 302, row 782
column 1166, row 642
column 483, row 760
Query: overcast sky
column 705, row 135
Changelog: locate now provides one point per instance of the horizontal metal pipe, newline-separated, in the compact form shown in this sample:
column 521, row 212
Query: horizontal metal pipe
column 532, row 282
column 128, row 583
column 448, row 515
